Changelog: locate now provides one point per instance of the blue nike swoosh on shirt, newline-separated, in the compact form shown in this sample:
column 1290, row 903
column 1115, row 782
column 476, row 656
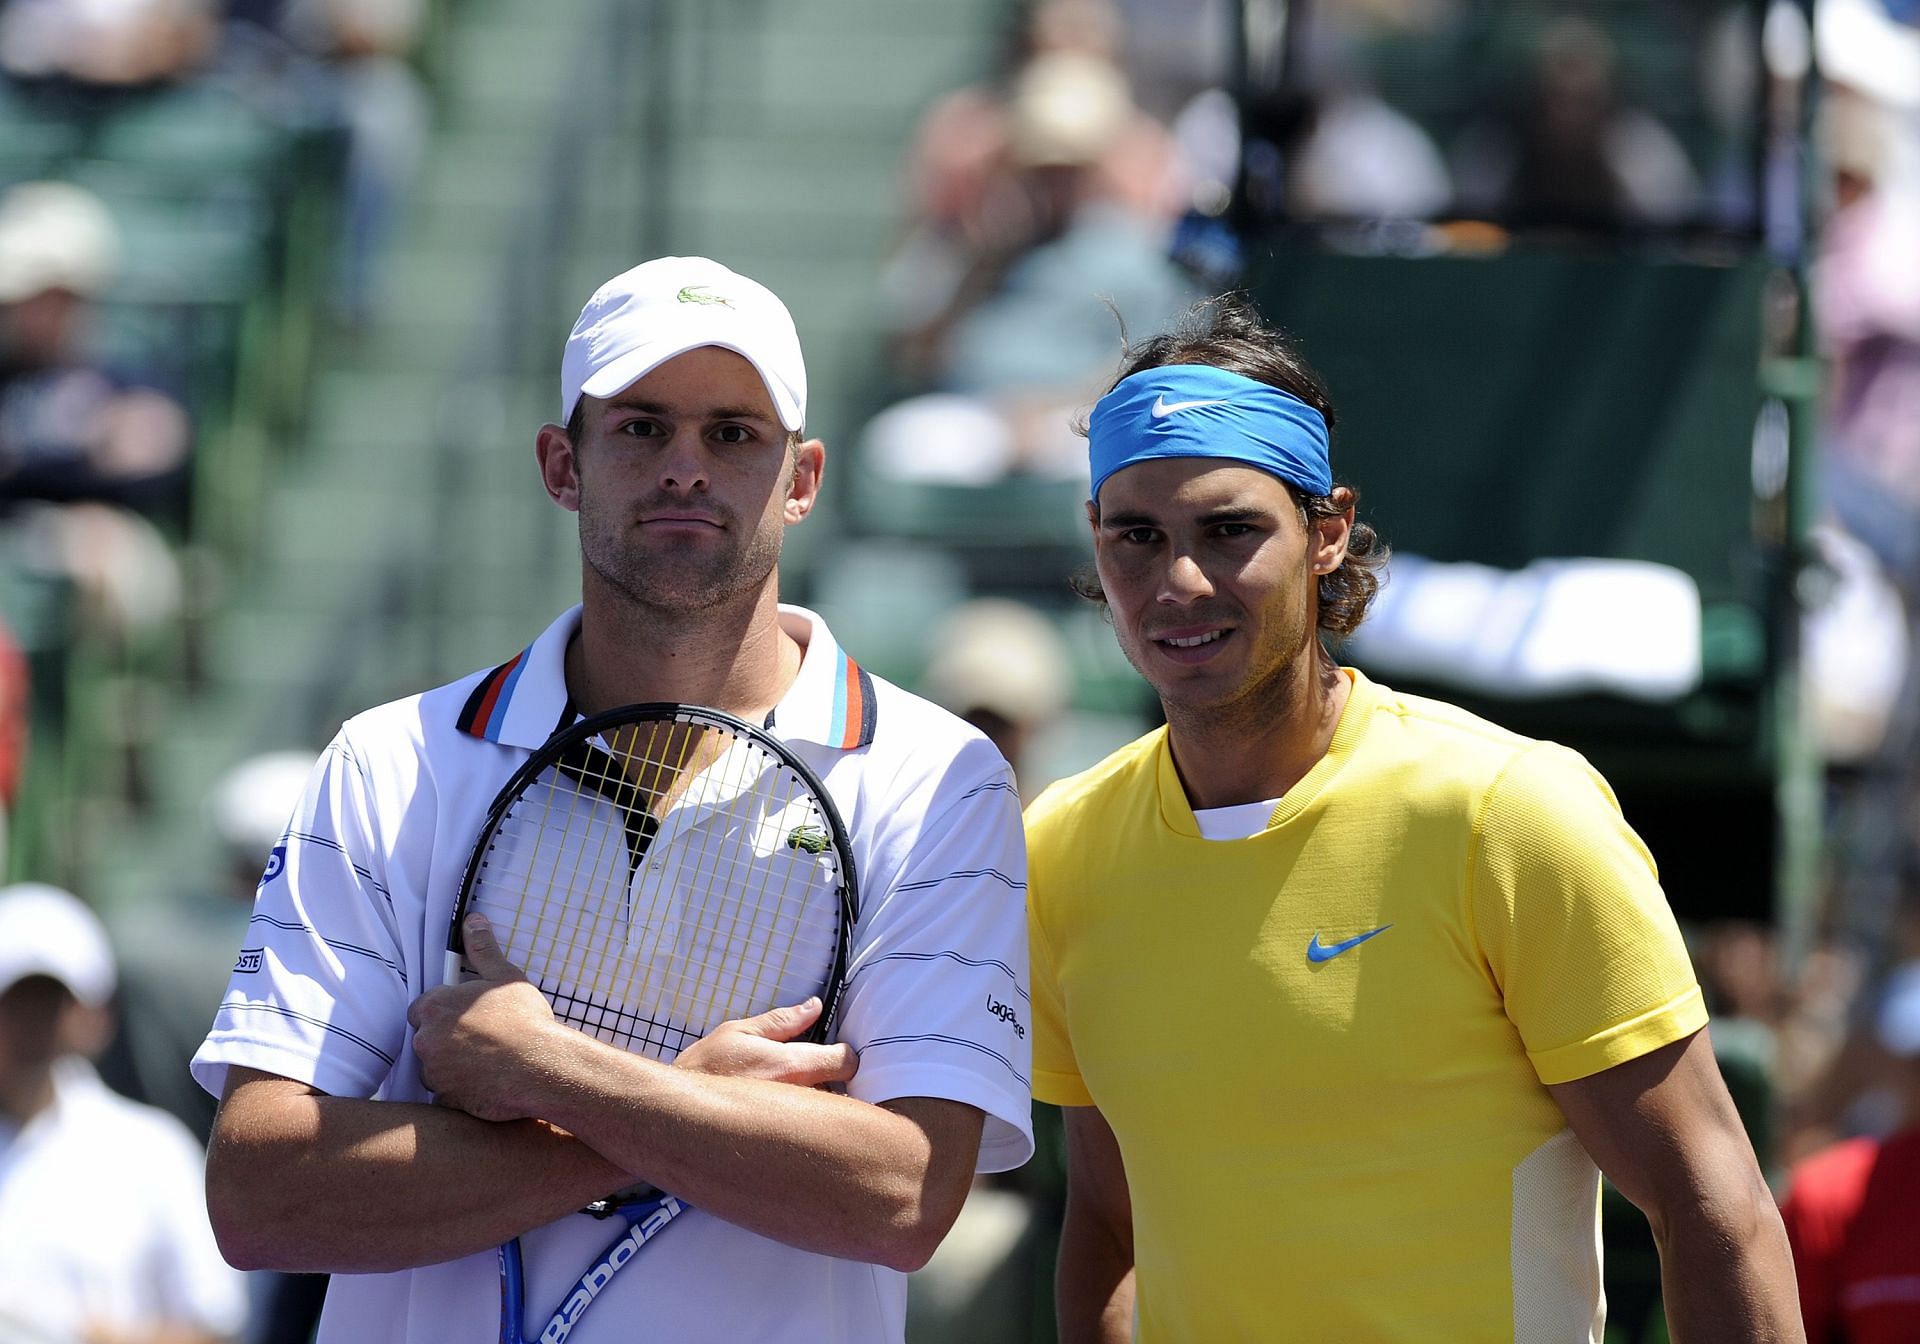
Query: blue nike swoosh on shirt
column 1319, row 951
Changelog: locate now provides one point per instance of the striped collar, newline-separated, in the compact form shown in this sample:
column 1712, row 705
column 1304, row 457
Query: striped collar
column 524, row 701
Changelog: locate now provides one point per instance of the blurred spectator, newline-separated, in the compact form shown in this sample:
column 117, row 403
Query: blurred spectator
column 366, row 45
column 959, row 192
column 106, row 43
column 1738, row 963
column 1866, row 299
column 103, row 1228
column 71, row 429
column 1025, row 331
column 1855, row 651
column 1362, row 160
column 1092, row 174
column 1572, row 153
column 1357, row 158
column 177, row 950
column 97, row 442
column 16, row 691
column 1840, row 1085
column 1850, row 1211
column 1002, row 666
column 1000, row 170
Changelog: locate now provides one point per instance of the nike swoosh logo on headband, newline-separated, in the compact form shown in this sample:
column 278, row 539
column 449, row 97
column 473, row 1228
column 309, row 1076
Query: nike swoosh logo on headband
column 1162, row 408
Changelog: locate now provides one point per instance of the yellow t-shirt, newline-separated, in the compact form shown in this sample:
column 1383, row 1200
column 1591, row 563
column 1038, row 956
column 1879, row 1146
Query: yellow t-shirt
column 1322, row 1048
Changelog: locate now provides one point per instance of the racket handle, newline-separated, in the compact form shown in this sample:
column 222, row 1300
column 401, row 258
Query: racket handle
column 451, row 974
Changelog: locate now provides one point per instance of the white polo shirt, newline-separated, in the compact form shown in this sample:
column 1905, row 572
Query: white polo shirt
column 350, row 926
column 103, row 1221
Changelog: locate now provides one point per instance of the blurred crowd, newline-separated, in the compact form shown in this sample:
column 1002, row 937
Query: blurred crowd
column 155, row 154
column 183, row 185
column 191, row 193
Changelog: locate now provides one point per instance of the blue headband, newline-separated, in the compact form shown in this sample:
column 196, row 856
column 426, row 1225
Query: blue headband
column 1194, row 410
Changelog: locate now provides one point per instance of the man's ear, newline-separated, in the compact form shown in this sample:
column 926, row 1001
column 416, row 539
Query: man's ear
column 559, row 468
column 1328, row 539
column 809, row 469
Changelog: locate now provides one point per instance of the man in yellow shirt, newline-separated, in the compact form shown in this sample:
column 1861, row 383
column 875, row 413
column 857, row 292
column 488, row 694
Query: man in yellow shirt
column 1349, row 996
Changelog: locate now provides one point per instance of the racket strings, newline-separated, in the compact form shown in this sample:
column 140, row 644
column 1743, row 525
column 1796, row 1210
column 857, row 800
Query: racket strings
column 665, row 884
column 759, row 896
column 619, row 1026
column 742, row 900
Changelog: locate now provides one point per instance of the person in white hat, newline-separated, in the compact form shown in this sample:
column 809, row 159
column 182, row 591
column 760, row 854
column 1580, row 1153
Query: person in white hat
column 72, row 428
column 679, row 441
column 103, row 1226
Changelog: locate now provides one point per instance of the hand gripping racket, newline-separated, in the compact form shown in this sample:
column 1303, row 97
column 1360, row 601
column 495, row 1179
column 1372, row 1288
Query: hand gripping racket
column 657, row 870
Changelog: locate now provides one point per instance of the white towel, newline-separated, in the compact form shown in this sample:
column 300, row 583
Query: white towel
column 1557, row 627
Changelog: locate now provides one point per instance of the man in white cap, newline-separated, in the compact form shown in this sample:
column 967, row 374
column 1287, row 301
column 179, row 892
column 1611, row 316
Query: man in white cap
column 679, row 444
column 103, row 1226
column 71, row 427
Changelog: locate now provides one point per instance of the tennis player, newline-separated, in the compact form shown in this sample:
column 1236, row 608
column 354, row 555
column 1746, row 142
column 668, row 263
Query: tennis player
column 1349, row 996
column 679, row 446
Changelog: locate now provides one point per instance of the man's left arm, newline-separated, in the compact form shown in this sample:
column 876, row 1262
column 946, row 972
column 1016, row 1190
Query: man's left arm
column 1665, row 1132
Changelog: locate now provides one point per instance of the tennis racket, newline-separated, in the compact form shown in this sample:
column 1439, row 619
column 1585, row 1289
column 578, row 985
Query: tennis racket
column 657, row 870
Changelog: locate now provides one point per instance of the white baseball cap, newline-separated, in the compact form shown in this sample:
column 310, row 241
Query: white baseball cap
column 47, row 931
column 996, row 654
column 644, row 317
column 249, row 806
column 55, row 236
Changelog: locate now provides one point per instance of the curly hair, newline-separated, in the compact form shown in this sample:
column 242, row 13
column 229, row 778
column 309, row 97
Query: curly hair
column 1226, row 332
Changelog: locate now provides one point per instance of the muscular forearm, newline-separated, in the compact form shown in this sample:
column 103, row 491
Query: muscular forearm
column 806, row 1167
column 300, row 1181
column 1094, row 1291
column 1727, row 1273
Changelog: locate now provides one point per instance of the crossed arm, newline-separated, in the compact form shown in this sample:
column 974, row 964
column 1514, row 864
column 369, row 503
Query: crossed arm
column 537, row 1119
column 1661, row 1127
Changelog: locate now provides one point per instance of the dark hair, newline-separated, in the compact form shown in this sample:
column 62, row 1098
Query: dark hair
column 1226, row 333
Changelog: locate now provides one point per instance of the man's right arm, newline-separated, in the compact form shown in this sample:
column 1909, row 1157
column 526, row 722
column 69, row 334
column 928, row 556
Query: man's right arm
column 301, row 1181
column 1094, row 1288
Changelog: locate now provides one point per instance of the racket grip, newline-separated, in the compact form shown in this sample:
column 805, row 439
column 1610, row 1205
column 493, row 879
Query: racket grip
column 450, row 975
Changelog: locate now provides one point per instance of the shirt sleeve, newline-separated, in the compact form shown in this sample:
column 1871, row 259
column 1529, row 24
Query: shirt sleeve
column 936, row 1001
column 1572, row 921
column 318, row 993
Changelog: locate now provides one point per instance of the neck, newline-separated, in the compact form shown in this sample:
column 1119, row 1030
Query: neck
column 1261, row 745
column 735, row 658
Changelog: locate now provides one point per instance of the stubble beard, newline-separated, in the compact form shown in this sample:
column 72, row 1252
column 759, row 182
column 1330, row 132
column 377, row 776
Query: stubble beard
column 679, row 583
column 1252, row 706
